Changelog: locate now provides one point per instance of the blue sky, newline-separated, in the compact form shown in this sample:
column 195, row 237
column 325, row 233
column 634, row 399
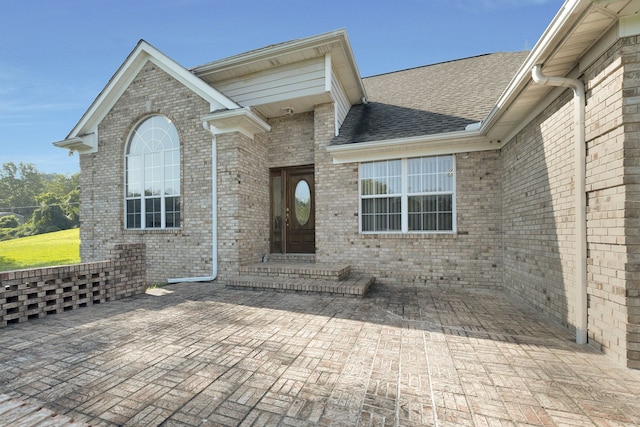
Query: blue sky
column 56, row 56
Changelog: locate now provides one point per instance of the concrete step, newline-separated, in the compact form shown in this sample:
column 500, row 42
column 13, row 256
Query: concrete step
column 354, row 286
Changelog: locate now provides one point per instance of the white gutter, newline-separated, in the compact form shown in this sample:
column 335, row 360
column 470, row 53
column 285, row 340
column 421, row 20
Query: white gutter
column 423, row 145
column 214, row 216
column 580, row 194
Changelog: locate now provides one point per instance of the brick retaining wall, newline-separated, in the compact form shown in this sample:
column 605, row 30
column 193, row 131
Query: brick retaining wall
column 35, row 293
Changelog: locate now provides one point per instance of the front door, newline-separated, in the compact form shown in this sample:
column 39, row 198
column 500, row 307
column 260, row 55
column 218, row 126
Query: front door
column 293, row 210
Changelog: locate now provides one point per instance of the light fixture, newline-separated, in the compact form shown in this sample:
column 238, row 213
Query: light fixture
column 288, row 111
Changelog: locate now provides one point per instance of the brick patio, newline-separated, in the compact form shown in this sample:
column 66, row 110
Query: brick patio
column 203, row 355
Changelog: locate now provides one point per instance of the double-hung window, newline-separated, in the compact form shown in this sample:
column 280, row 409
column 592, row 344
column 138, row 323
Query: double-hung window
column 152, row 180
column 408, row 195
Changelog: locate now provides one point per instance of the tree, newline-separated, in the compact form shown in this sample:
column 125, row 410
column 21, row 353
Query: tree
column 67, row 188
column 71, row 207
column 19, row 187
column 60, row 184
column 49, row 202
column 49, row 216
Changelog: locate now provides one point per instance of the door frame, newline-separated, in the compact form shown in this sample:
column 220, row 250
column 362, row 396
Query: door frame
column 278, row 237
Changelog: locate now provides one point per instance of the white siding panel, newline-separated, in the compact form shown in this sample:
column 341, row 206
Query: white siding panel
column 281, row 83
column 342, row 104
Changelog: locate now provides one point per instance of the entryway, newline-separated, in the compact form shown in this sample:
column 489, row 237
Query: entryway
column 293, row 222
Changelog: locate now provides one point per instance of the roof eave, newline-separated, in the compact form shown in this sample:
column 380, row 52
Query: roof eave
column 555, row 31
column 423, row 145
column 556, row 49
column 123, row 77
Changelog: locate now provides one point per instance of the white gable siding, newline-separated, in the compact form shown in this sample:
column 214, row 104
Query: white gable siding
column 342, row 104
column 278, row 84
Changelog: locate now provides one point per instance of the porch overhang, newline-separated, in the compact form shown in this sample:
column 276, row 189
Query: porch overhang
column 241, row 120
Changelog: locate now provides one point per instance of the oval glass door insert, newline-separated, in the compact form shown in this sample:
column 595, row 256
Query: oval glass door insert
column 303, row 202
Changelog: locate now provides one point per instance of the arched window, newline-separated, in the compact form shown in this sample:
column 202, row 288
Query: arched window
column 152, row 181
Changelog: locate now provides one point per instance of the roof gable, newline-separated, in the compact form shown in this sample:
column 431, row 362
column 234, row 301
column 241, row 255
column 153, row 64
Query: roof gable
column 290, row 76
column 83, row 137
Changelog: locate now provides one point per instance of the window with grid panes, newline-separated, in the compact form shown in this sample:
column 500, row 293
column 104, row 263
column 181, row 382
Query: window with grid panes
column 152, row 181
column 408, row 195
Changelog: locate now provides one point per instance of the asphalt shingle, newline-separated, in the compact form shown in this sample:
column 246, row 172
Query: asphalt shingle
column 428, row 100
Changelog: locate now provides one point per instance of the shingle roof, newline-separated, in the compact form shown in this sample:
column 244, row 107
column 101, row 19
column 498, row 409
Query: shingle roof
column 427, row 100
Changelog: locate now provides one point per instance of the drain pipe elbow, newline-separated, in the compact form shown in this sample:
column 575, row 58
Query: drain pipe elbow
column 538, row 77
column 580, row 197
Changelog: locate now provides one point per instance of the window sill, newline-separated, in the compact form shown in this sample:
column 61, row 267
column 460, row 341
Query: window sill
column 140, row 231
column 413, row 234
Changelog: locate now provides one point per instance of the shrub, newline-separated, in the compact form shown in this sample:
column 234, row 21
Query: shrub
column 9, row 221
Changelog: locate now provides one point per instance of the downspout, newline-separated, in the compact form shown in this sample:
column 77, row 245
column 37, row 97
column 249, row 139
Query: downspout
column 214, row 216
column 580, row 194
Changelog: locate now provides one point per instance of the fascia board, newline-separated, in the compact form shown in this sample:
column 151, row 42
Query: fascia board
column 270, row 52
column 197, row 85
column 126, row 74
column 427, row 145
column 352, row 64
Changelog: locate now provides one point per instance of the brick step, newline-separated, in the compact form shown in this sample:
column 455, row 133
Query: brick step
column 297, row 270
column 355, row 285
column 291, row 257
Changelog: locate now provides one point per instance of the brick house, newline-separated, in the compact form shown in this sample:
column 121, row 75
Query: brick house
column 458, row 174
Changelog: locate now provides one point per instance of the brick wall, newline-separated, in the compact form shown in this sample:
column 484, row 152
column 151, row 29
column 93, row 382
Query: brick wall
column 170, row 253
column 539, row 257
column 243, row 201
column 470, row 258
column 606, row 194
column 629, row 54
column 291, row 141
column 34, row 293
column 538, row 213
column 243, row 186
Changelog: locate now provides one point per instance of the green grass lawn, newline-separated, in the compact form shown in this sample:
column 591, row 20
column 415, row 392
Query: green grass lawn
column 59, row 248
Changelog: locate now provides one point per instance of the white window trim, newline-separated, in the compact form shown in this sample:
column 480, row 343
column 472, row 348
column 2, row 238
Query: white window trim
column 404, row 202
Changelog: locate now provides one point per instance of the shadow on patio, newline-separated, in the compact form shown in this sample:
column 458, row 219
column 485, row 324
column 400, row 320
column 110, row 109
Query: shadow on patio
column 204, row 355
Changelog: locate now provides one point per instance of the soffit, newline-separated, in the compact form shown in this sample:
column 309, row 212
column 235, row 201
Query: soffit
column 574, row 31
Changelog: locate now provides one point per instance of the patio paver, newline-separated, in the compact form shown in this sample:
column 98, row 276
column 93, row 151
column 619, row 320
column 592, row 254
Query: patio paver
column 201, row 355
